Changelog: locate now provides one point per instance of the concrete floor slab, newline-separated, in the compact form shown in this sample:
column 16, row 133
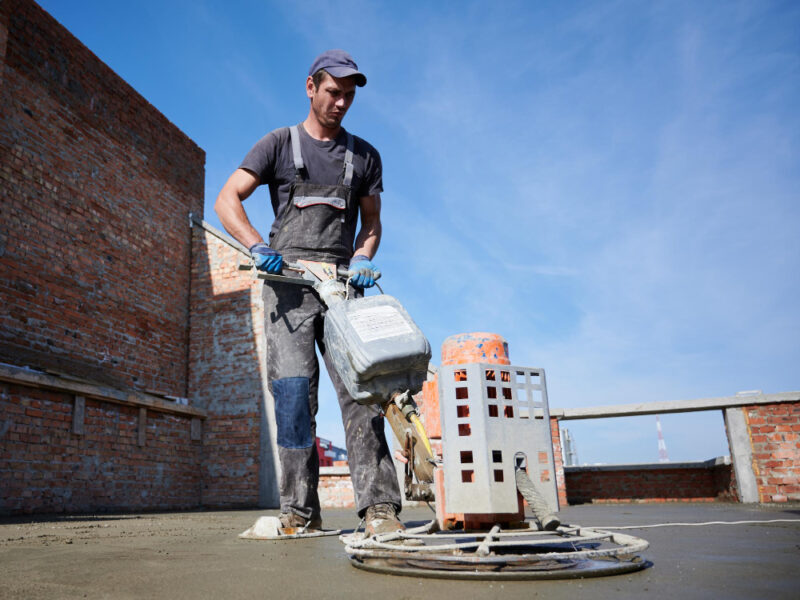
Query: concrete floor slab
column 197, row 555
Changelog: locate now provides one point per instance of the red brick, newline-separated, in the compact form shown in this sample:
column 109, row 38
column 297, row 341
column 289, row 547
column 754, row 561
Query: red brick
column 97, row 208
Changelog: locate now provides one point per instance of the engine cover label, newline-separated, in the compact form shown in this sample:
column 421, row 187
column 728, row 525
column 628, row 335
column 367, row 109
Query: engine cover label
column 378, row 322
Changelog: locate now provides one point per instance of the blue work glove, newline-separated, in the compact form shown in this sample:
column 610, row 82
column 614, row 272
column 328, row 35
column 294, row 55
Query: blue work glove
column 266, row 259
column 363, row 272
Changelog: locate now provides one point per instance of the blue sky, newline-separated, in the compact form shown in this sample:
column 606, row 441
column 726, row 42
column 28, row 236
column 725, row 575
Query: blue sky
column 612, row 186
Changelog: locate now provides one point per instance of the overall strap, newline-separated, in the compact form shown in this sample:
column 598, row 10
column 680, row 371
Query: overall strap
column 296, row 155
column 348, row 161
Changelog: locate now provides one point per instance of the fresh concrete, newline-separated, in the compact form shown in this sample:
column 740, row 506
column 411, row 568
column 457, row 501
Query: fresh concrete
column 197, row 555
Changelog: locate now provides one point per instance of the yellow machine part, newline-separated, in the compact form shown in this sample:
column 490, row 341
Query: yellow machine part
column 423, row 455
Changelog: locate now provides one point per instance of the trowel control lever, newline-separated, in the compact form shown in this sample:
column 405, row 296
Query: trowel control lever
column 302, row 272
column 405, row 402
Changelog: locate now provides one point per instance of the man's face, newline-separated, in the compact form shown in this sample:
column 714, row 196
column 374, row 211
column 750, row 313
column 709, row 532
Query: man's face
column 330, row 101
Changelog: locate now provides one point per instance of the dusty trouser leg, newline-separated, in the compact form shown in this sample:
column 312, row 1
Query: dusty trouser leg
column 371, row 467
column 292, row 315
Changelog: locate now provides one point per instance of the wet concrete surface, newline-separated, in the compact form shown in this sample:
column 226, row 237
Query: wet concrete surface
column 198, row 555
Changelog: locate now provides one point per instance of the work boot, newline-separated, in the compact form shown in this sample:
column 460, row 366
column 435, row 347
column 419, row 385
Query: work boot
column 382, row 518
column 295, row 521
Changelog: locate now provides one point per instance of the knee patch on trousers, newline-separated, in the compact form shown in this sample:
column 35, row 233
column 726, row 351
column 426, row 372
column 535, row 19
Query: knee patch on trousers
column 292, row 412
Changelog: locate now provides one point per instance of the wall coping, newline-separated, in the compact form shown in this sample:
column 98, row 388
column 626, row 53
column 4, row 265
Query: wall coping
column 673, row 406
column 334, row 471
column 699, row 464
column 221, row 235
column 37, row 379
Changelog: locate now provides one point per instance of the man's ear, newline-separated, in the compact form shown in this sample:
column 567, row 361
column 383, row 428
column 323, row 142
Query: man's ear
column 310, row 89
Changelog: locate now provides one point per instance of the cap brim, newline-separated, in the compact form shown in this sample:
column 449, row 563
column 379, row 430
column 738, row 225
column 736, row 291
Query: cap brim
column 341, row 72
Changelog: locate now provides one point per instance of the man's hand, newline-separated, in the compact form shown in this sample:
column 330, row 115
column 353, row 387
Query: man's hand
column 266, row 259
column 363, row 272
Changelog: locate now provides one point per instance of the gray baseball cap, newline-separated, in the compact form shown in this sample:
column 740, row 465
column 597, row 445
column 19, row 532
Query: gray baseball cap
column 338, row 63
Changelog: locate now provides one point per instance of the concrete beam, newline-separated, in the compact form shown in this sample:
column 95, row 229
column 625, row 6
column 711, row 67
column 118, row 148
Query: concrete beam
column 699, row 464
column 741, row 454
column 671, row 406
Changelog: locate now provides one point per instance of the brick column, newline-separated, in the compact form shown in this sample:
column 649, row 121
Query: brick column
column 561, row 484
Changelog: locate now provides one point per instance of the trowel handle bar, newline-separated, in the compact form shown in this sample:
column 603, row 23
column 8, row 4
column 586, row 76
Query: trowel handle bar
column 296, row 267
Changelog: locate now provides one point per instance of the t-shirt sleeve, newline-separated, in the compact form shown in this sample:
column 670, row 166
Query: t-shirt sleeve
column 373, row 176
column 262, row 158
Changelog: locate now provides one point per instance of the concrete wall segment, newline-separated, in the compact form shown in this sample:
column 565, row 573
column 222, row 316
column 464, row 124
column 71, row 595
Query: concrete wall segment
column 739, row 442
column 674, row 406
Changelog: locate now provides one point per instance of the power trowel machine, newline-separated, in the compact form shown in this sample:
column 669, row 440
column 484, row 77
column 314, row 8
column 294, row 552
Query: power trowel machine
column 489, row 454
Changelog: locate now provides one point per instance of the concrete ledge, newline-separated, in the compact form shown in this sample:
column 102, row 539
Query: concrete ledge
column 334, row 471
column 672, row 406
column 37, row 379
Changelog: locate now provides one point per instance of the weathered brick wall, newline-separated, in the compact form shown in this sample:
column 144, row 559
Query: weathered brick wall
column 95, row 189
column 45, row 468
column 226, row 377
column 336, row 488
column 775, row 437
column 625, row 483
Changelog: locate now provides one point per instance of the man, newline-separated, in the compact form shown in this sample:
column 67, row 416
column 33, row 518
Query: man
column 320, row 178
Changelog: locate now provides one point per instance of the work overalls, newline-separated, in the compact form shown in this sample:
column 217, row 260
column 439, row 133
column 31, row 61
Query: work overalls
column 318, row 223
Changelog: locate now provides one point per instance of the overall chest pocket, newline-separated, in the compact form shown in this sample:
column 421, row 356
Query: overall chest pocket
column 312, row 194
column 321, row 213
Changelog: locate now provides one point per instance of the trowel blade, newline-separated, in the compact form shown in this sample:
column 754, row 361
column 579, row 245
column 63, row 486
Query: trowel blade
column 269, row 528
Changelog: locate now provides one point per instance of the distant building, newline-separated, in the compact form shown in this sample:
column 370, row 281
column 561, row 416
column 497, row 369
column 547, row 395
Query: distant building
column 328, row 453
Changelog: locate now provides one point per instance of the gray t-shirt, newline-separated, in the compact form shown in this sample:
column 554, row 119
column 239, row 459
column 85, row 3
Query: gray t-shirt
column 271, row 160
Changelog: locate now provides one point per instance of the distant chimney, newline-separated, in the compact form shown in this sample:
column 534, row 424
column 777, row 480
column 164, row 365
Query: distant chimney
column 662, row 446
column 570, row 453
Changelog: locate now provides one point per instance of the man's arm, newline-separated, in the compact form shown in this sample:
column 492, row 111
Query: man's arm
column 369, row 237
column 230, row 211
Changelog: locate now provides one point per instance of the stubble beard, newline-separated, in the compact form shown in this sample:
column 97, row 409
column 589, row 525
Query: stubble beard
column 326, row 120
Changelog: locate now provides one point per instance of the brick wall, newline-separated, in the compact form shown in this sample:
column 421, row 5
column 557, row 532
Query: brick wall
column 679, row 482
column 775, row 437
column 96, row 186
column 95, row 189
column 226, row 377
column 45, row 468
